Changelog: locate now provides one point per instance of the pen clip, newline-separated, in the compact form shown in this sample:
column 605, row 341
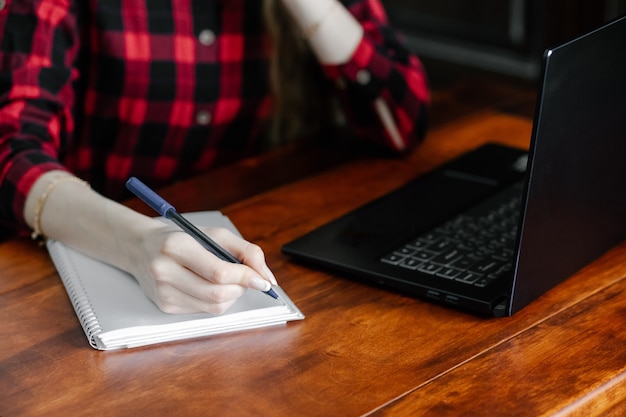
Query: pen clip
column 148, row 196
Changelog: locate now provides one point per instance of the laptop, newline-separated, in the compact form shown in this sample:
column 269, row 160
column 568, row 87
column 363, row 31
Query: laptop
column 494, row 229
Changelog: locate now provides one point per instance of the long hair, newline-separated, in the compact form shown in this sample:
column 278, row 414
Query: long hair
column 303, row 106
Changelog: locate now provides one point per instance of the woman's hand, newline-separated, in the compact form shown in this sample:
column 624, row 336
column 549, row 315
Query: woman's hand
column 174, row 270
column 181, row 276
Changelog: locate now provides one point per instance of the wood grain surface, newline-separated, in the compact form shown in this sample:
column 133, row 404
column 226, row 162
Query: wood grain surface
column 360, row 351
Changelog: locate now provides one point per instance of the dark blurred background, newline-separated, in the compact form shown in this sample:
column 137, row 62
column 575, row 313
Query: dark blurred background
column 506, row 37
column 487, row 53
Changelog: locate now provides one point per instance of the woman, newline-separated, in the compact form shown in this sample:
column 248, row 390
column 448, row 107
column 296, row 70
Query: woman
column 102, row 90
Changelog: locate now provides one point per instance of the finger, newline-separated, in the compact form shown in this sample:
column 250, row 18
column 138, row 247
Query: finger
column 179, row 302
column 226, row 273
column 168, row 273
column 188, row 253
column 248, row 253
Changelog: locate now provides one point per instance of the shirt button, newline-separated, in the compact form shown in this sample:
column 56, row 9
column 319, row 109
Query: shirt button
column 203, row 118
column 206, row 37
column 363, row 77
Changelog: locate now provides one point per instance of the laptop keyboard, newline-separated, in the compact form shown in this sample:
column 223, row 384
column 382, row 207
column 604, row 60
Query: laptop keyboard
column 475, row 247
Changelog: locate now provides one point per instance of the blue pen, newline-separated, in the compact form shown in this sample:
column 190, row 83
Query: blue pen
column 168, row 211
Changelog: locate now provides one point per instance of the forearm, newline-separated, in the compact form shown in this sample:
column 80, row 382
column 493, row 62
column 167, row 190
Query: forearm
column 331, row 31
column 372, row 65
column 78, row 216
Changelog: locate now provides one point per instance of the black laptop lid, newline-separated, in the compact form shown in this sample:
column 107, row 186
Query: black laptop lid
column 576, row 202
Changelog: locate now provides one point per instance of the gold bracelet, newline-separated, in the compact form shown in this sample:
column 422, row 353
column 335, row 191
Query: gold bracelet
column 37, row 232
column 310, row 31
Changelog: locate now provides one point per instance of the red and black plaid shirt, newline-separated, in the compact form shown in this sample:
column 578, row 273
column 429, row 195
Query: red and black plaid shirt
column 160, row 89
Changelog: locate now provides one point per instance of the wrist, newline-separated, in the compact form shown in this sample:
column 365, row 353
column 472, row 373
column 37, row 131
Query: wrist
column 38, row 198
column 128, row 233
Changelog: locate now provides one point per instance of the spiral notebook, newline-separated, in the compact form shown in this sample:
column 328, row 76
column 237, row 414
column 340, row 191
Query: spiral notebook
column 115, row 313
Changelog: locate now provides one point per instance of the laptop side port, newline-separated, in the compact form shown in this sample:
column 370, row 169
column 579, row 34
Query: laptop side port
column 451, row 299
column 434, row 295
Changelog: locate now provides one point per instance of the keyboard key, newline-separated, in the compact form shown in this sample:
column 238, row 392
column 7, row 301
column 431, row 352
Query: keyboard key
column 441, row 245
column 448, row 257
column 449, row 273
column 468, row 278
column 463, row 263
column 405, row 251
column 409, row 263
column 429, row 268
column 483, row 282
column 486, row 266
column 423, row 255
column 393, row 259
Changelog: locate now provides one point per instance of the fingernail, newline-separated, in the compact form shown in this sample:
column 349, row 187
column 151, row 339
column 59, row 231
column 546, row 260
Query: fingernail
column 258, row 283
column 270, row 275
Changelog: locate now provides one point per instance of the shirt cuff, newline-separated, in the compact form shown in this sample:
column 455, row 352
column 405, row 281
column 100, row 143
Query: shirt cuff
column 363, row 72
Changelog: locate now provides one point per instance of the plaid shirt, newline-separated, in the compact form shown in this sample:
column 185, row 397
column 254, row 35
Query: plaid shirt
column 162, row 89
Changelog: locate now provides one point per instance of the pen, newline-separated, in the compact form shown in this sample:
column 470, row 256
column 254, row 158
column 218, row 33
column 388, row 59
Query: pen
column 168, row 211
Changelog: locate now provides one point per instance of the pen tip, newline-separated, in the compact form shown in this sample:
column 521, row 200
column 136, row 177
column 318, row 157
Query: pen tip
column 272, row 293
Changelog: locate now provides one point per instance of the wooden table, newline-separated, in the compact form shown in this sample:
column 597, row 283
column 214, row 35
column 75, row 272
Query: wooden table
column 360, row 350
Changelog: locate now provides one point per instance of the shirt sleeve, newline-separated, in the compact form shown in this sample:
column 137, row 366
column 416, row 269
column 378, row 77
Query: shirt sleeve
column 38, row 44
column 383, row 87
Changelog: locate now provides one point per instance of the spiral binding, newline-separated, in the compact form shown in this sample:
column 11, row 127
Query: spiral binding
column 77, row 294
